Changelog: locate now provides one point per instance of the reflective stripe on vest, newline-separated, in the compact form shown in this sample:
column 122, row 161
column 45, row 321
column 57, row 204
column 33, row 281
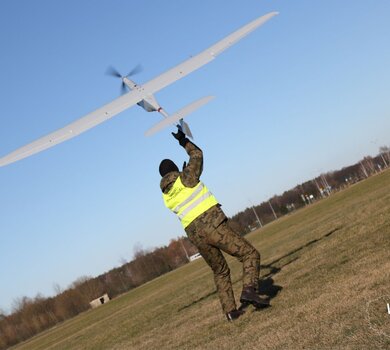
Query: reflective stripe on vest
column 189, row 202
column 194, row 204
column 190, row 198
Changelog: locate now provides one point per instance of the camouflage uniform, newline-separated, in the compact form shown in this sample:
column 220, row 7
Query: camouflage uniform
column 210, row 233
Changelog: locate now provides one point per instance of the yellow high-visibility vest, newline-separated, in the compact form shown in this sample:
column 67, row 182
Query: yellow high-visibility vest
column 188, row 202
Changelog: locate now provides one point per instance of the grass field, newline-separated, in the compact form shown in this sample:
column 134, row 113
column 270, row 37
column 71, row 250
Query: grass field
column 326, row 268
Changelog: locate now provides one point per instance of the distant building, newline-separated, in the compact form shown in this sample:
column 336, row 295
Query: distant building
column 195, row 256
column 99, row 301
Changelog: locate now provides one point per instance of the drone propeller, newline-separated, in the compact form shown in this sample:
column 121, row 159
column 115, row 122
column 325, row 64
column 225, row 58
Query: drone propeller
column 123, row 88
column 113, row 72
column 135, row 70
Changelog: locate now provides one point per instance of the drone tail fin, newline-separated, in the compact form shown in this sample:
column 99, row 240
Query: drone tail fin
column 179, row 116
column 185, row 128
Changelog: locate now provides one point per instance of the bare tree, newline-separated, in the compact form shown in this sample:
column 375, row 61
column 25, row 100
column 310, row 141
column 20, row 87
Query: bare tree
column 57, row 288
column 2, row 314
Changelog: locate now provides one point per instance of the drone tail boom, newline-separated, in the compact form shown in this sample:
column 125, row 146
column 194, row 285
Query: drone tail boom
column 179, row 116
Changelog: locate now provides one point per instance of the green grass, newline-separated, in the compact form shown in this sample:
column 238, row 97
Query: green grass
column 328, row 261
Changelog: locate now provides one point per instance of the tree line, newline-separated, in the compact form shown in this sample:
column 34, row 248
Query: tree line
column 310, row 191
column 33, row 315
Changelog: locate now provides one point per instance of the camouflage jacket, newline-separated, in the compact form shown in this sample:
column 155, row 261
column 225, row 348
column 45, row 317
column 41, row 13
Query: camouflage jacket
column 190, row 177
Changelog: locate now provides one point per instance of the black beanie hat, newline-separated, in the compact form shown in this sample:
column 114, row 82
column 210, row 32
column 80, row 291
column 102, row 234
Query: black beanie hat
column 167, row 166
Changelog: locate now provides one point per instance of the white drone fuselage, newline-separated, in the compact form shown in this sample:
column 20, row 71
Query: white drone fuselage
column 149, row 103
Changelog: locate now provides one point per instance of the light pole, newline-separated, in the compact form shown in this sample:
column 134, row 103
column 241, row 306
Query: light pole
column 384, row 161
column 257, row 218
column 326, row 184
column 318, row 188
column 185, row 251
column 322, row 178
column 380, row 153
column 254, row 211
column 364, row 169
column 273, row 211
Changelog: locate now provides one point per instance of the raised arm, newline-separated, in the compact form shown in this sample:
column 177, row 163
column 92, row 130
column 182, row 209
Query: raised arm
column 191, row 172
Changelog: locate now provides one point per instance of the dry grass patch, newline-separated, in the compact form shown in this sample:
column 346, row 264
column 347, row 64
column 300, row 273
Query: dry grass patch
column 323, row 265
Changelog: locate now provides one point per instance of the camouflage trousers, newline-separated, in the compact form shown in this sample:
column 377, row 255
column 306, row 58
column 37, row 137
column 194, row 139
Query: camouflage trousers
column 210, row 241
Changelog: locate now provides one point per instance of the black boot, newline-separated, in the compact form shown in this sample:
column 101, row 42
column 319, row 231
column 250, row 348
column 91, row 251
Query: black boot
column 249, row 296
column 233, row 315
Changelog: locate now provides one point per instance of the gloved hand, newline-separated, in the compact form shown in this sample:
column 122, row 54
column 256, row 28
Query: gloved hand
column 181, row 137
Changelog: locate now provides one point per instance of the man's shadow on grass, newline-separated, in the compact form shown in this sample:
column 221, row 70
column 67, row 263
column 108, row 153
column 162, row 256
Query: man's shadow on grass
column 266, row 285
column 266, row 288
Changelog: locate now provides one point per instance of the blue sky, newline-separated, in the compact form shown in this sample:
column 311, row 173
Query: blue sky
column 305, row 93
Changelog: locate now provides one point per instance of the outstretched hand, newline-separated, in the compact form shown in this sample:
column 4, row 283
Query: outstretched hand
column 179, row 136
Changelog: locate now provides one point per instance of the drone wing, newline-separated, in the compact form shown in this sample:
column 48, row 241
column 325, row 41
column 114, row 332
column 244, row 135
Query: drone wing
column 205, row 56
column 79, row 126
column 121, row 103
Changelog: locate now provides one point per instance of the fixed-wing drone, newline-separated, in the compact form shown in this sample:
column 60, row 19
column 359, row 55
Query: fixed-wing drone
column 141, row 95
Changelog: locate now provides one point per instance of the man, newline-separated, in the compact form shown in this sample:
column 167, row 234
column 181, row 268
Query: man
column 206, row 227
